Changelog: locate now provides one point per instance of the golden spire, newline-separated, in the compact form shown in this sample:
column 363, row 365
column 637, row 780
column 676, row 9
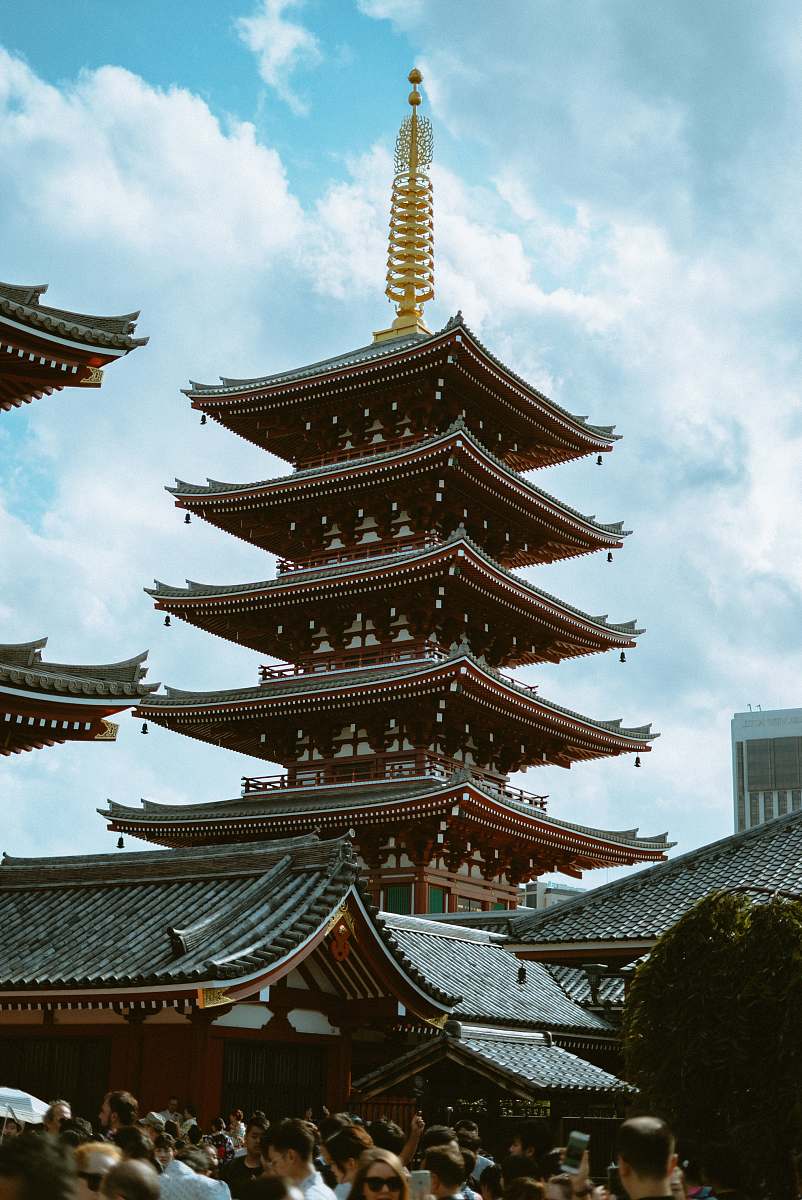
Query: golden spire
column 410, row 256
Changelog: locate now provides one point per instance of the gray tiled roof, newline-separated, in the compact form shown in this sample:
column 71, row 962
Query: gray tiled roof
column 329, row 681
column 21, row 303
column 166, row 916
column 476, row 966
column 525, row 1060
column 22, row 666
column 216, row 487
column 366, row 568
column 575, row 982
column 376, row 351
column 644, row 905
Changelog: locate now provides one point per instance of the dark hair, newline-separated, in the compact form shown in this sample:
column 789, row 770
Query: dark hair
column 171, row 1128
column 237, row 1114
column 124, row 1106
column 135, row 1143
column 51, row 1106
column 375, row 1155
column 133, row 1180
column 387, row 1135
column 517, row 1166
column 293, row 1134
column 535, row 1135
column 466, row 1125
column 447, row 1163
column 333, row 1124
column 192, row 1110
column 74, row 1131
column 468, row 1139
column 195, row 1135
column 164, row 1141
column 645, row 1144
column 469, row 1158
column 348, row 1143
column 40, row 1166
column 197, row 1159
column 491, row 1179
column 436, row 1135
column 524, row 1188
column 256, row 1123
column 218, row 1123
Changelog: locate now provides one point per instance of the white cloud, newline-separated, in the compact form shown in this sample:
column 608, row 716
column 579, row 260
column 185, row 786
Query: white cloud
column 281, row 46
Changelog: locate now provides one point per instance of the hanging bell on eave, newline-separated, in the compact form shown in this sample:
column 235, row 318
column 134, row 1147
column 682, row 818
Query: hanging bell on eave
column 599, row 460
column 144, row 728
column 187, row 519
column 609, row 553
column 637, row 760
column 167, row 621
column 621, row 658
column 203, row 418
column 120, row 843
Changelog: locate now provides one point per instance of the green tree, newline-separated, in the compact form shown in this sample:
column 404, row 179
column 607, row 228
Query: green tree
column 713, row 1032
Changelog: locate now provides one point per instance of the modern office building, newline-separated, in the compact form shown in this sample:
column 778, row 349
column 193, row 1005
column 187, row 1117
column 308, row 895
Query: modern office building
column 766, row 765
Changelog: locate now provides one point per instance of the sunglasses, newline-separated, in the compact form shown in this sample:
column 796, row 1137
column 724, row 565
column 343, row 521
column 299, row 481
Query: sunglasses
column 375, row 1183
column 91, row 1179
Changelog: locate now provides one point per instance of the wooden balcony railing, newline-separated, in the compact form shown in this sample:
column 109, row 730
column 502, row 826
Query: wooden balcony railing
column 342, row 554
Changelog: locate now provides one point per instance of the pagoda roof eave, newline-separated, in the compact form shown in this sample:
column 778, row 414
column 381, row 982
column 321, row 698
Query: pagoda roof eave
column 188, row 495
column 292, row 809
column 460, row 662
column 112, row 334
column 458, row 544
column 23, row 670
column 376, row 355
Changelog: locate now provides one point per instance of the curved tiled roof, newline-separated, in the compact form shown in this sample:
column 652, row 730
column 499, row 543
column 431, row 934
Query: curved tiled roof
column 214, row 488
column 643, row 906
column 22, row 304
column 22, row 666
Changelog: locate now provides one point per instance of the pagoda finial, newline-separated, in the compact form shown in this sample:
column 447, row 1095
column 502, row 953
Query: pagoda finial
column 410, row 256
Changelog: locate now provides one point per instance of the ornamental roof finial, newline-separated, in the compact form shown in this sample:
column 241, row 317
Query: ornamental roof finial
column 410, row 255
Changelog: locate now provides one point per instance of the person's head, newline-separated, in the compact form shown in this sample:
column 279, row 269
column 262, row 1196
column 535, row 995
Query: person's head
column 134, row 1180
column 292, row 1145
column 196, row 1158
column 164, row 1148
column 387, row 1135
column 152, row 1125
column 194, row 1135
column 76, row 1131
column 10, row 1128
column 235, row 1117
column 490, row 1182
column 344, row 1151
column 437, row 1135
column 646, row 1158
column 171, row 1128
column 447, row 1168
column 190, row 1112
column 218, row 1125
column 93, row 1160
column 253, row 1138
column 380, row 1176
column 119, row 1109
column 135, row 1143
column 468, row 1139
column 58, row 1111
column 32, row 1167
column 525, row 1189
column 333, row 1123
column 518, row 1166
column 532, row 1138
column 173, row 1106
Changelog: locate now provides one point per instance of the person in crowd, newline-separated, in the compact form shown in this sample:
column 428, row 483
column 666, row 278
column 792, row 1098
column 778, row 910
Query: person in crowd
column 194, row 1135
column 645, row 1157
column 387, row 1135
column 76, row 1131
column 343, row 1152
column 131, row 1181
column 93, row 1161
column 292, row 1146
column 135, row 1144
column 119, row 1110
column 10, row 1128
column 58, row 1111
column 173, row 1128
column 151, row 1124
column 199, row 1184
column 521, row 1166
column 558, row 1187
column 491, row 1184
column 468, row 1138
column 220, row 1142
column 247, row 1166
column 447, row 1168
column 270, row 1188
column 164, row 1149
column 172, row 1112
column 437, row 1135
column 189, row 1119
column 236, row 1127
column 533, row 1140
column 381, row 1176
column 525, row 1189
column 34, row 1167
column 469, row 1159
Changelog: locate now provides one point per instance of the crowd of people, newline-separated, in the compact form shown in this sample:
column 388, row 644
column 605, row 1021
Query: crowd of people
column 167, row 1156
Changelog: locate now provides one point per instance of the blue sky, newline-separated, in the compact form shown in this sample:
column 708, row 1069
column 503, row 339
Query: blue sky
column 617, row 195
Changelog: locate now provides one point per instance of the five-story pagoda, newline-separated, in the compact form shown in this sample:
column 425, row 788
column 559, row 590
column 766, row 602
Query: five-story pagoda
column 396, row 608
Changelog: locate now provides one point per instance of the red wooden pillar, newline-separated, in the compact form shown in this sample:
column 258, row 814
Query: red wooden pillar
column 338, row 1083
column 200, row 1081
column 135, row 1051
column 420, row 902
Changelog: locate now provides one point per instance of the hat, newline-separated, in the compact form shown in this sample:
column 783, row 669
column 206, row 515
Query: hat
column 154, row 1121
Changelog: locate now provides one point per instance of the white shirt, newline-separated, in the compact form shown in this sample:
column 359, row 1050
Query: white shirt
column 314, row 1188
column 186, row 1185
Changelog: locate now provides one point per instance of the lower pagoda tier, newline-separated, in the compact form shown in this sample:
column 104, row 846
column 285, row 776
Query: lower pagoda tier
column 376, row 721
column 426, row 844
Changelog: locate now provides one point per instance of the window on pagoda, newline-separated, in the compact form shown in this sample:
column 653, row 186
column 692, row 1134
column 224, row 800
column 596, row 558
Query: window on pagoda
column 437, row 900
column 466, row 904
column 398, row 898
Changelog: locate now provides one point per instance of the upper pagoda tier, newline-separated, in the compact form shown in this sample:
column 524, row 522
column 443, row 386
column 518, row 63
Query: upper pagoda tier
column 423, row 488
column 441, row 593
column 44, row 703
column 408, row 386
column 43, row 350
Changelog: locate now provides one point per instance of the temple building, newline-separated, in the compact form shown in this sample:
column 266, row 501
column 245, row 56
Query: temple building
column 45, row 703
column 43, row 350
column 396, row 607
